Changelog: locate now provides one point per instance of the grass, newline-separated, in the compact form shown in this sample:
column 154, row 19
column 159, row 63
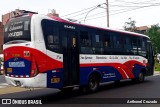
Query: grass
column 157, row 67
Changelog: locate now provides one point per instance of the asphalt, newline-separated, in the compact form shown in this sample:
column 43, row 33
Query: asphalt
column 2, row 79
column 6, row 89
column 125, row 89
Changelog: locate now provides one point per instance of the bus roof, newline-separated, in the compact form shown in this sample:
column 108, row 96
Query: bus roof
column 109, row 29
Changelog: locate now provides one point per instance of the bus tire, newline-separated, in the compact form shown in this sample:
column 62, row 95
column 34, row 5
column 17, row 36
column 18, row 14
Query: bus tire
column 140, row 78
column 93, row 83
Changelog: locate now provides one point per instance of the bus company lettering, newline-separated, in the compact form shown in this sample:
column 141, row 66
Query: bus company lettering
column 113, row 57
column 134, row 57
column 15, row 27
column 109, row 75
column 17, row 64
column 69, row 27
column 87, row 57
column 123, row 57
column 15, row 34
column 101, row 57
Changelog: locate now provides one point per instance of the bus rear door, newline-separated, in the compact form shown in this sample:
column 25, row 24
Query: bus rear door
column 70, row 58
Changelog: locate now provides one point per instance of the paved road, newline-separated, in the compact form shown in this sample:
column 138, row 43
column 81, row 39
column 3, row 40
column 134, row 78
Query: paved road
column 2, row 79
column 3, row 83
column 126, row 89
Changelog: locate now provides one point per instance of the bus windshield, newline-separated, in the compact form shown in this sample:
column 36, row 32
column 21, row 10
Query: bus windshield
column 17, row 30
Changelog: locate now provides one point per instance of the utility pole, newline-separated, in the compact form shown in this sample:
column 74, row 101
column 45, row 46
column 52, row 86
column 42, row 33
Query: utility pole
column 107, row 11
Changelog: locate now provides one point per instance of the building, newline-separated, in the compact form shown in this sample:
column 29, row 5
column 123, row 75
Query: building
column 9, row 15
column 53, row 13
column 1, row 37
column 142, row 29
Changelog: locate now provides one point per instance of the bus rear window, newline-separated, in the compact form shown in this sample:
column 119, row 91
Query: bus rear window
column 17, row 30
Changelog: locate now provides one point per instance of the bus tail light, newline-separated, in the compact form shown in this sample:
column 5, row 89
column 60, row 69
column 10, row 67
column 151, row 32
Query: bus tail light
column 34, row 68
column 26, row 54
column 34, row 73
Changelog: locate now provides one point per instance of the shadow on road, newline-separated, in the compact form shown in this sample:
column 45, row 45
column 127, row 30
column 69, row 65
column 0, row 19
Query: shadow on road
column 50, row 96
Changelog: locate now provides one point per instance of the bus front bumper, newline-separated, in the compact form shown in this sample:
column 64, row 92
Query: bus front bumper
column 39, row 81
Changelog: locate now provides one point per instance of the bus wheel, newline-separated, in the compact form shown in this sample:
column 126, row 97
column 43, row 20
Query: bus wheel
column 93, row 83
column 140, row 77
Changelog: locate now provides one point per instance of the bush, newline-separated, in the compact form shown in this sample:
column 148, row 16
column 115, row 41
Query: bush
column 157, row 67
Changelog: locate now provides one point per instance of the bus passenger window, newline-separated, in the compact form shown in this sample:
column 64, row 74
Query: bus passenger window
column 85, row 42
column 118, row 42
column 50, row 39
column 134, row 46
column 51, row 35
column 53, row 39
column 106, row 44
column 143, row 47
column 97, row 38
column 107, row 41
column 139, row 46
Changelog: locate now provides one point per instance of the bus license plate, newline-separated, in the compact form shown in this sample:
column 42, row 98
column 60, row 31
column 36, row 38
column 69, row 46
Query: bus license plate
column 9, row 70
column 55, row 80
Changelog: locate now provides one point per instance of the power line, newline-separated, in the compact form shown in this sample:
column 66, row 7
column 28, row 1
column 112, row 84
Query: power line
column 132, row 5
column 146, row 2
column 119, row 11
column 123, row 11
column 80, row 11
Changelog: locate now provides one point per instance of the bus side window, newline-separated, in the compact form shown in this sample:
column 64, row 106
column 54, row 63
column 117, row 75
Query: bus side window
column 51, row 35
column 118, row 42
column 97, row 43
column 53, row 42
column 50, row 39
column 144, row 47
column 139, row 46
column 107, row 41
column 106, row 44
column 127, row 45
column 134, row 45
column 85, row 43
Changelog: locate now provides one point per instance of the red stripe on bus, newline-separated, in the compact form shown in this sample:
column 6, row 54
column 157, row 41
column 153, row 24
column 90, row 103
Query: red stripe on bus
column 122, row 68
column 43, row 61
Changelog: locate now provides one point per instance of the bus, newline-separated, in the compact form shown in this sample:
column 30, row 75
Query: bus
column 50, row 52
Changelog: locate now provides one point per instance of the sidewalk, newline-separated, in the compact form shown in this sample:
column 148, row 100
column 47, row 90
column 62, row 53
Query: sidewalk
column 157, row 72
column 12, row 89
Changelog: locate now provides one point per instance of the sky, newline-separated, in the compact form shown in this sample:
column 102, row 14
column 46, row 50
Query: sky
column 144, row 12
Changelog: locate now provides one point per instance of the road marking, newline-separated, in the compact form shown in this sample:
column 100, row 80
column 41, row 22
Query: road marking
column 3, row 85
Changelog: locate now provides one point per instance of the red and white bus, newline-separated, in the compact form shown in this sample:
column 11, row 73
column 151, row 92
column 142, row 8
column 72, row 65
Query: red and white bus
column 47, row 51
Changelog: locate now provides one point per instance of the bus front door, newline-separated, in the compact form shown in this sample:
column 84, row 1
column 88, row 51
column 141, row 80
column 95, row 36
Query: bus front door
column 70, row 58
column 150, row 58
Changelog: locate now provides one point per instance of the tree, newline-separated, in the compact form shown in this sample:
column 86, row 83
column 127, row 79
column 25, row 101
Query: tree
column 130, row 26
column 154, row 34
